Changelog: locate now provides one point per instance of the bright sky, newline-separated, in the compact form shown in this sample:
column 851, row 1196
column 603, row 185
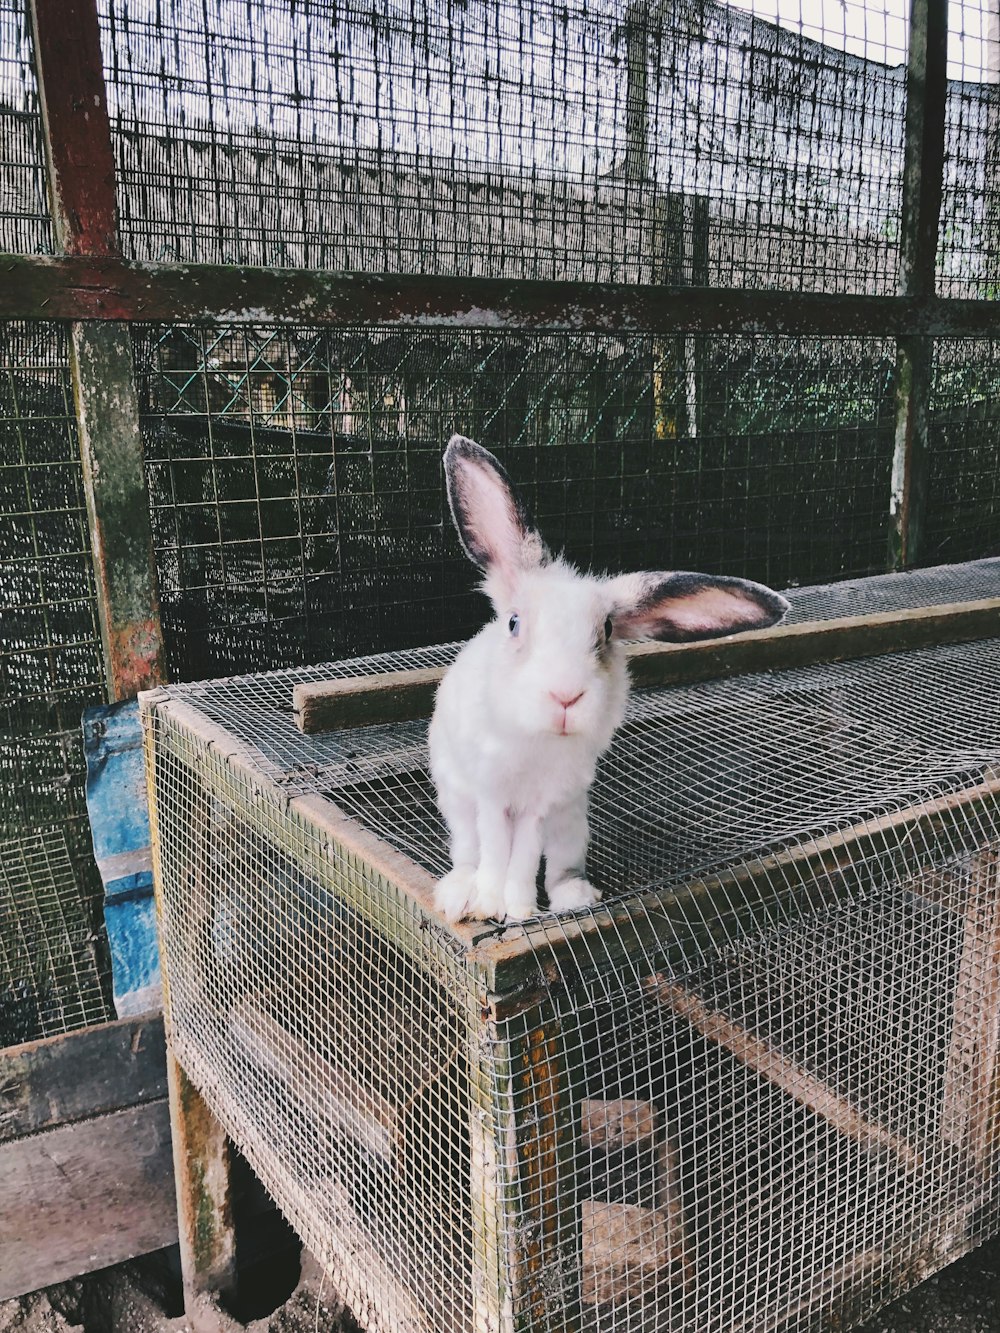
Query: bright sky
column 878, row 30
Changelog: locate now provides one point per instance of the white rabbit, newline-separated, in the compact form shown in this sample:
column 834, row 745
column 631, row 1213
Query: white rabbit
column 531, row 703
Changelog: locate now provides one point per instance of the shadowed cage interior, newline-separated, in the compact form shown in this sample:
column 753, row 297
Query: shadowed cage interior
column 750, row 1090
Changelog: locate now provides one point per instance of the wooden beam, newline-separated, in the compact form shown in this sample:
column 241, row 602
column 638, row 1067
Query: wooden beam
column 773, row 1065
column 203, row 1196
column 77, row 1075
column 923, row 171
column 70, row 71
column 117, row 508
column 84, row 1196
column 60, row 287
column 80, row 161
column 363, row 701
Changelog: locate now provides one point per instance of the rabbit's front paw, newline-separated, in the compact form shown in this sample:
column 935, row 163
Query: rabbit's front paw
column 487, row 897
column 453, row 894
column 520, row 901
column 573, row 893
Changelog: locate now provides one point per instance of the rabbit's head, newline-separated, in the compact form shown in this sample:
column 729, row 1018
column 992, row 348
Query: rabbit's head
column 557, row 665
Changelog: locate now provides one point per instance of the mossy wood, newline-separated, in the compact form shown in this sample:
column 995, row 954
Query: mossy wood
column 403, row 696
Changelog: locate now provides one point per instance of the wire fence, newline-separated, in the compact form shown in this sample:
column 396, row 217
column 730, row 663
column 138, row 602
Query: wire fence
column 51, row 668
column 297, row 496
column 750, row 1089
column 25, row 226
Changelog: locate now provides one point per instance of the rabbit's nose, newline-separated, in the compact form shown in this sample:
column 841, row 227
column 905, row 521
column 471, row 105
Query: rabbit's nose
column 567, row 703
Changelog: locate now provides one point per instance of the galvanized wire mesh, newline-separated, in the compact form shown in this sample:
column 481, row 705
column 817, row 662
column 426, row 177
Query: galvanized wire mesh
column 51, row 958
column 969, row 236
column 25, row 226
column 749, row 1090
column 297, row 497
column 641, row 142
column 50, row 653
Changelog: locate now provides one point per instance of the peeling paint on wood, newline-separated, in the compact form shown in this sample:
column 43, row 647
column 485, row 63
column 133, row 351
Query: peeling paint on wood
column 81, row 162
column 117, row 507
column 201, row 1172
column 47, row 287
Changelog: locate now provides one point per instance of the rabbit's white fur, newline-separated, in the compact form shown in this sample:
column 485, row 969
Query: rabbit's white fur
column 521, row 718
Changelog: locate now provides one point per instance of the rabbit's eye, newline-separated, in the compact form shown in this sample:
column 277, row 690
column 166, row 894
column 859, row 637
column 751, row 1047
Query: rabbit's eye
column 608, row 630
column 514, row 624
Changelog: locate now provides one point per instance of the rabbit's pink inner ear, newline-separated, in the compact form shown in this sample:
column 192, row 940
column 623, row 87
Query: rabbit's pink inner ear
column 681, row 607
column 486, row 513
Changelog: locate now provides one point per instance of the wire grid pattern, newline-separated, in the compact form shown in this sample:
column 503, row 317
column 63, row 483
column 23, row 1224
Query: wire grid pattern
column 762, row 1103
column 51, row 969
column 363, row 1093
column 641, row 142
column 963, row 500
column 25, row 224
column 969, row 236
column 297, row 496
column 50, row 652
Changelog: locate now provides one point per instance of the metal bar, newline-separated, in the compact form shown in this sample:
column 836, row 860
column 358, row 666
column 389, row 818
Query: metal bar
column 81, row 176
column 923, row 171
column 47, row 287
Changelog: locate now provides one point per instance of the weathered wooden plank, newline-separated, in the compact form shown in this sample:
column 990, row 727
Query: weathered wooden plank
column 117, row 508
column 627, row 1250
column 392, row 696
column 203, row 1195
column 67, row 287
column 397, row 696
column 329, row 1092
column 772, row 1064
column 85, row 1196
column 923, row 170
column 81, row 1074
column 81, row 164
column 611, row 1125
column 969, row 1108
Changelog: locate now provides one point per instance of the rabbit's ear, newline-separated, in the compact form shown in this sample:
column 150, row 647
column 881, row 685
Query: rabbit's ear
column 682, row 607
column 491, row 518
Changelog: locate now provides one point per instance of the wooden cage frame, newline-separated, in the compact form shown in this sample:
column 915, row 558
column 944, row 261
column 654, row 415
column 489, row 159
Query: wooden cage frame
column 96, row 293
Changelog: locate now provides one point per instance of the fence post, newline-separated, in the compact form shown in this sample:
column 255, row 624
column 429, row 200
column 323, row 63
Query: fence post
column 923, row 170
column 80, row 162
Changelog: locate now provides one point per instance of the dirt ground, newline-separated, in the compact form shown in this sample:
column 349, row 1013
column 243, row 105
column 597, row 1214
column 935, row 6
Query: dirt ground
column 965, row 1298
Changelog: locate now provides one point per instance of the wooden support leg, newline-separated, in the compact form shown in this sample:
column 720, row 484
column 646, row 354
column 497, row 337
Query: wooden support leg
column 204, row 1208
column 969, row 1110
column 524, row 1139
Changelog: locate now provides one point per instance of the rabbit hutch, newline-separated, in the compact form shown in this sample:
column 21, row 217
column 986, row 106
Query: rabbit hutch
column 716, row 282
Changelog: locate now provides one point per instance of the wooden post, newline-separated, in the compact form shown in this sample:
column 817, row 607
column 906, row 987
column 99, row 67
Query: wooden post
column 923, row 169
column 81, row 178
column 524, row 1138
column 970, row 1106
column 204, row 1205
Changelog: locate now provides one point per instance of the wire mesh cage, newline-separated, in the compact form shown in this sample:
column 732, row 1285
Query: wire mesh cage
column 754, row 1088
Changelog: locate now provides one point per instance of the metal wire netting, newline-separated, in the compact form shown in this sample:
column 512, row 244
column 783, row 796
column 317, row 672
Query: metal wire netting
column 52, row 966
column 642, row 142
column 50, row 652
column 25, row 226
column 749, row 1090
column 969, row 233
column 297, row 497
column 963, row 501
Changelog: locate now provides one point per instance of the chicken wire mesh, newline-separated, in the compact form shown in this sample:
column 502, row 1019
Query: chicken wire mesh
column 25, row 226
column 752, row 1089
column 298, row 505
column 50, row 669
column 654, row 141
